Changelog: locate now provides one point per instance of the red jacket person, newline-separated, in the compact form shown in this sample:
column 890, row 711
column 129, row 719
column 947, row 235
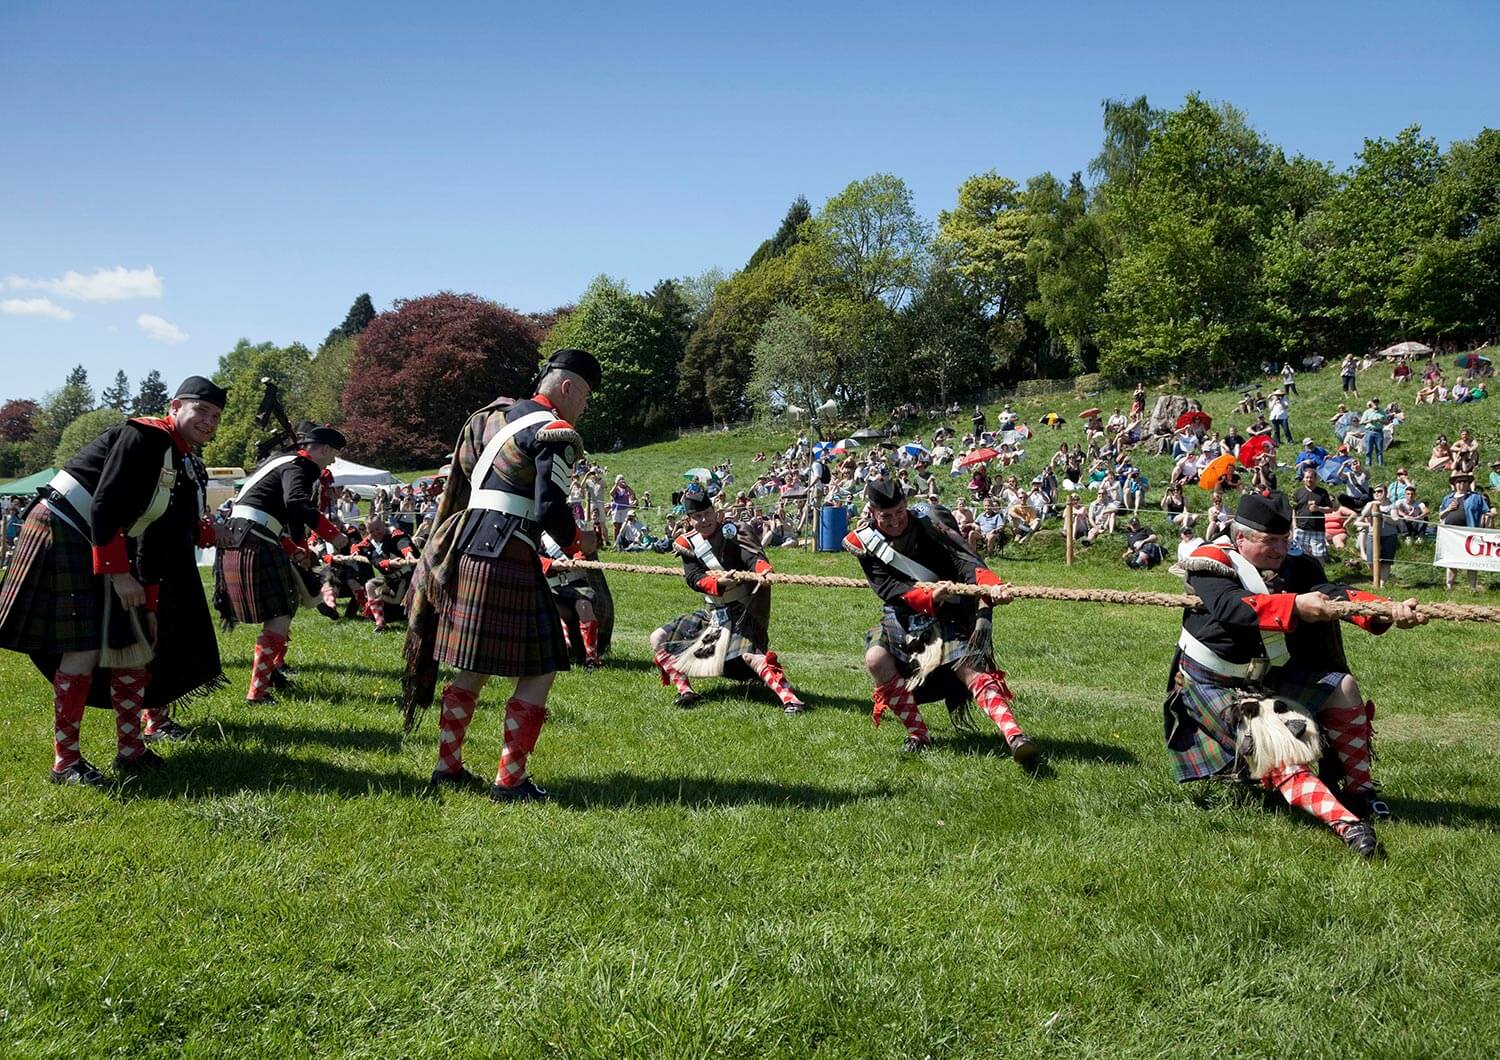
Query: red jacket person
column 1267, row 650
column 930, row 644
column 105, row 577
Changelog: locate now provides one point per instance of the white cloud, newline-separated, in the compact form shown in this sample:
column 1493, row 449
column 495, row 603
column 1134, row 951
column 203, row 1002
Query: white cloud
column 34, row 307
column 161, row 330
column 118, row 284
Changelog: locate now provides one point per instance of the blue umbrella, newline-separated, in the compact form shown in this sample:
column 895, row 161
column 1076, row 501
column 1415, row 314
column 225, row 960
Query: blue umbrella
column 822, row 450
column 913, row 449
column 1331, row 468
column 1313, row 456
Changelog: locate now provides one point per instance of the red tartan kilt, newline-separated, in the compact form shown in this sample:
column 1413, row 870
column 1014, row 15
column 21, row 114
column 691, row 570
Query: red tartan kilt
column 502, row 619
column 51, row 600
column 259, row 582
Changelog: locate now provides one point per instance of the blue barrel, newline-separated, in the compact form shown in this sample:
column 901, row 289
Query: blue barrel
column 833, row 524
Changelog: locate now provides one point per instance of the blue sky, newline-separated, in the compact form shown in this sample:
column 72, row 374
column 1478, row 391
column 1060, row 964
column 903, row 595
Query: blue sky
column 267, row 162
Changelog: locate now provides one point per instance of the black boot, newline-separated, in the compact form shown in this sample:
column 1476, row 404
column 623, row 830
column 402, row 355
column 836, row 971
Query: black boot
column 1360, row 838
column 526, row 791
column 80, row 772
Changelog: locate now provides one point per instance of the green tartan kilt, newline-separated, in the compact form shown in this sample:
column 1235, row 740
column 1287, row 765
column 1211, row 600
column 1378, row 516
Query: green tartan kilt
column 1200, row 729
column 51, row 601
column 256, row 583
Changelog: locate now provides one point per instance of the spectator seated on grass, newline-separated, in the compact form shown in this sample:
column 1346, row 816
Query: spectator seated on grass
column 1441, row 458
column 1175, row 505
column 991, row 524
column 1465, row 451
column 1142, row 547
column 1463, row 507
column 1343, row 422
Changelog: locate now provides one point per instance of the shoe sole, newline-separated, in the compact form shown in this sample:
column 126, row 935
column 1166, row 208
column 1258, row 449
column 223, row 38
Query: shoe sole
column 1028, row 756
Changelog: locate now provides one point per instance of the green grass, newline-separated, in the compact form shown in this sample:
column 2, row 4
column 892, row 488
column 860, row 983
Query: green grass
column 730, row 881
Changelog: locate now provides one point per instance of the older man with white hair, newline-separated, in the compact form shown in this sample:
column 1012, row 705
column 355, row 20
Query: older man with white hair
column 1266, row 629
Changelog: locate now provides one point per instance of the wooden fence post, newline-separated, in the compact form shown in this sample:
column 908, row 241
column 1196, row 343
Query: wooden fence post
column 1070, row 514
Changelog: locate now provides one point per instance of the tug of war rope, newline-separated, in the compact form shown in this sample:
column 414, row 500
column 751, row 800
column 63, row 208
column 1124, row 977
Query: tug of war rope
column 1004, row 593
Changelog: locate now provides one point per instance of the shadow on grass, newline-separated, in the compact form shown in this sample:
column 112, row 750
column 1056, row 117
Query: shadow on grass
column 624, row 789
column 275, row 733
column 992, row 744
column 208, row 770
column 1445, row 813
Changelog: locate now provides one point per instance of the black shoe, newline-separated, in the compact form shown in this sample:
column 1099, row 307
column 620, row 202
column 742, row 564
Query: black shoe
column 1367, row 806
column 387, row 628
column 80, row 772
column 280, row 679
column 1026, row 752
column 526, row 791
column 266, row 700
column 148, row 761
column 688, row 700
column 592, row 665
column 462, row 779
column 1360, row 838
column 328, row 610
column 168, row 732
column 916, row 744
column 795, row 707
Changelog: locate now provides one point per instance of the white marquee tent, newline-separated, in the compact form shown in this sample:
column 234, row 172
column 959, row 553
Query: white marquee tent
column 348, row 473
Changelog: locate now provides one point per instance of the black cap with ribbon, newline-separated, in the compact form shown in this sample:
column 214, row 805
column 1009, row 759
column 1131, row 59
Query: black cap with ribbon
column 884, row 492
column 580, row 362
column 197, row 388
column 1268, row 511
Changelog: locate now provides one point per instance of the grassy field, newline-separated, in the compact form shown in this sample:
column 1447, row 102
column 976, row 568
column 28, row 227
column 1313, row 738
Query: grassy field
column 731, row 881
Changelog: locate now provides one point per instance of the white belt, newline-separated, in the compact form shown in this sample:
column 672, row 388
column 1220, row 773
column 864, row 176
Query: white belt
column 500, row 501
column 1204, row 656
column 74, row 493
column 255, row 515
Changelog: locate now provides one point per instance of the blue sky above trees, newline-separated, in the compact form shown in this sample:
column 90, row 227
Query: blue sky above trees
column 267, row 163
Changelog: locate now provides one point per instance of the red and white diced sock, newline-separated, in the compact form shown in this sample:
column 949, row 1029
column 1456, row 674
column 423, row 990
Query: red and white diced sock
column 127, row 694
column 453, row 725
column 267, row 647
column 1302, row 788
column 377, row 611
column 894, row 696
column 523, row 725
column 69, row 694
column 330, row 596
column 994, row 698
column 361, row 603
column 670, row 675
column 152, row 720
column 1348, row 728
column 775, row 679
column 590, row 631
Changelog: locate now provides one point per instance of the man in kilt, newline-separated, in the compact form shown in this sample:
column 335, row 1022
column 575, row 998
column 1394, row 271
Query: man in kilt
column 343, row 574
column 575, row 601
column 391, row 557
column 930, row 644
column 255, row 580
column 1266, row 629
column 480, row 602
column 730, row 636
column 105, row 579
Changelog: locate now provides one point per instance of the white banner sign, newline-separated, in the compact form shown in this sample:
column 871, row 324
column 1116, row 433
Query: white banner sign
column 1467, row 549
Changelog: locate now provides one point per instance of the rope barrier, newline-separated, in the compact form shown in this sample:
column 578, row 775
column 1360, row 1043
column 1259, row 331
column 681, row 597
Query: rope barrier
column 1005, row 593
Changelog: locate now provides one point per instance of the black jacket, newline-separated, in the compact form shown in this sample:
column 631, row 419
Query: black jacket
column 536, row 464
column 939, row 551
column 290, row 496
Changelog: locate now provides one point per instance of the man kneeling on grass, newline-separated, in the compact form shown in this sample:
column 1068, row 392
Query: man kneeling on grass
column 1267, row 632
column 930, row 644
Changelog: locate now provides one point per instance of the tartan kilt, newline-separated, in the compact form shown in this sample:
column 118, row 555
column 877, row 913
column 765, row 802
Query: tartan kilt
column 501, row 619
column 1200, row 733
column 51, row 600
column 905, row 645
column 682, row 635
column 257, row 581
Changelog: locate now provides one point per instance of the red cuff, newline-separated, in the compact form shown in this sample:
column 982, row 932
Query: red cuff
column 327, row 529
column 1369, row 623
column 762, row 567
column 920, row 599
column 385, row 564
column 985, row 576
column 153, row 594
column 709, row 584
column 207, row 535
column 112, row 558
column 1274, row 611
column 546, row 563
column 289, row 546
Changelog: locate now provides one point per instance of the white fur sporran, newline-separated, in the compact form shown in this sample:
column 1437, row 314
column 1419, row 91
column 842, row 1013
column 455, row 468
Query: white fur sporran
column 1274, row 732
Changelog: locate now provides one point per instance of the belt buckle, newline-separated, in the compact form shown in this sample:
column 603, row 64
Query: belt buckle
column 1257, row 669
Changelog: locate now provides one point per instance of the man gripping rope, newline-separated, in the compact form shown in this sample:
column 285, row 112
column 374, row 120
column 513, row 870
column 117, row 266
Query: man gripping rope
column 254, row 577
column 930, row 644
column 575, row 601
column 1266, row 632
column 730, row 636
column 480, row 602
column 105, row 579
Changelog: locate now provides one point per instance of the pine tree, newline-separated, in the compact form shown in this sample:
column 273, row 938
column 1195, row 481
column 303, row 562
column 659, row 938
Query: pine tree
column 786, row 236
column 355, row 321
column 117, row 397
column 74, row 399
column 152, row 398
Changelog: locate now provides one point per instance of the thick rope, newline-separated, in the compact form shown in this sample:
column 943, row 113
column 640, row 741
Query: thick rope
column 1006, row 593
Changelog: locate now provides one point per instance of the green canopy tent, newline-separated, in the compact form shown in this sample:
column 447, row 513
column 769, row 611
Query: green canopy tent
column 25, row 487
